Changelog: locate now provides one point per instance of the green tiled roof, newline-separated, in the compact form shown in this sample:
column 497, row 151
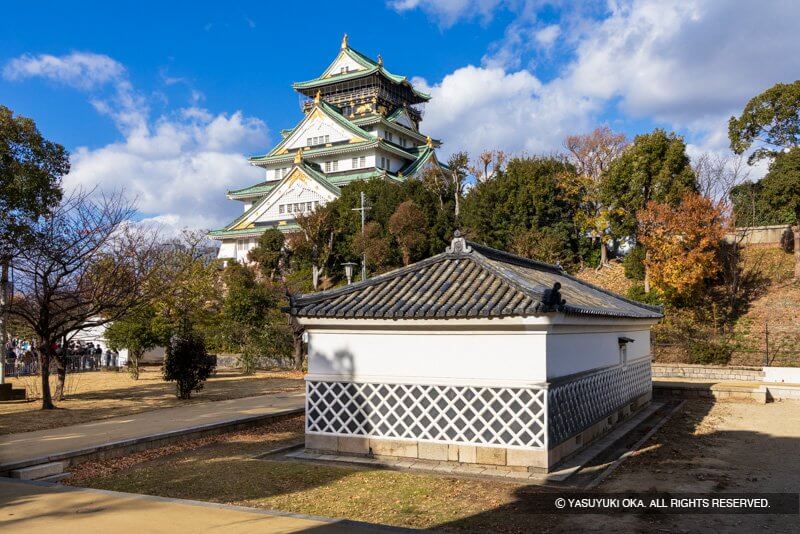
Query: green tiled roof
column 259, row 189
column 379, row 119
column 255, row 231
column 370, row 67
column 425, row 153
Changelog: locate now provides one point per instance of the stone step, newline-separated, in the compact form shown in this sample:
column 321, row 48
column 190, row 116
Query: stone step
column 18, row 394
column 55, row 478
column 37, row 472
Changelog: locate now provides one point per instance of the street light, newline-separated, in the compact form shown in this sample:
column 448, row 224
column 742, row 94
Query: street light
column 348, row 271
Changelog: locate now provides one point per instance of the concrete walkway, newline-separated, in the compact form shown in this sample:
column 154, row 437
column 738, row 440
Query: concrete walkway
column 39, row 507
column 30, row 448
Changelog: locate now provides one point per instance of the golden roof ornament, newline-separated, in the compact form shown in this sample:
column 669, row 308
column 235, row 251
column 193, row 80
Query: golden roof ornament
column 380, row 60
column 344, row 42
column 317, row 96
column 429, row 142
column 298, row 156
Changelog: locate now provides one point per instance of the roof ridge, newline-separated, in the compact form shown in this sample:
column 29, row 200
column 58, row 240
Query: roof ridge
column 518, row 260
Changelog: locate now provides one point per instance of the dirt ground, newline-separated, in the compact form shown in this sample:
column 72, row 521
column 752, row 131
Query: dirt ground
column 101, row 394
column 722, row 447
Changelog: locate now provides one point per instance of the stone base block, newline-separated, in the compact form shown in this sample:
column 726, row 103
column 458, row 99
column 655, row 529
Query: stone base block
column 433, row 451
column 490, row 456
column 322, row 442
column 391, row 447
column 353, row 445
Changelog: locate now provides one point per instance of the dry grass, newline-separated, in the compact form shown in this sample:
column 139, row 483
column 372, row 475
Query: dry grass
column 738, row 447
column 221, row 469
column 100, row 395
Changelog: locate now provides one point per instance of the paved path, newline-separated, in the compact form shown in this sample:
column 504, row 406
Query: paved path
column 31, row 507
column 53, row 444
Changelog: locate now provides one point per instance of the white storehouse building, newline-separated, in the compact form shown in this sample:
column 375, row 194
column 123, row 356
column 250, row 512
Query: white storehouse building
column 474, row 356
column 360, row 122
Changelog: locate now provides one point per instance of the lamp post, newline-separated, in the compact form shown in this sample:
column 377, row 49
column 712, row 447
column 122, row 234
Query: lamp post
column 348, row 271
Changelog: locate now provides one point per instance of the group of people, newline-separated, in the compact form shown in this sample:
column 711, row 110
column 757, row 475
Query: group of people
column 20, row 356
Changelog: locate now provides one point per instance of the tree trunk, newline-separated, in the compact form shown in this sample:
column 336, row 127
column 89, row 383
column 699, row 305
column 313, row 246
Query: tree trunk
column 796, row 230
column 3, row 322
column 44, row 365
column 646, row 273
column 603, row 254
column 297, row 352
column 133, row 364
column 61, row 375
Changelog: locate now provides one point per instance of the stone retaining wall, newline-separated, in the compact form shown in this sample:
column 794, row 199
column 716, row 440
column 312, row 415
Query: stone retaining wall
column 709, row 372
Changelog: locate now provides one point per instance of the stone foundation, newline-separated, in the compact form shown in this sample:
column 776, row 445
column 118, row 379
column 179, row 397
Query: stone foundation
column 707, row 372
column 514, row 457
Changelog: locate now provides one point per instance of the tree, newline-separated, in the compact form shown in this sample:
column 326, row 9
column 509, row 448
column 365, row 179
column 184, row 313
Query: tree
column 374, row 245
column 530, row 194
column 31, row 168
column 138, row 331
column 268, row 253
column 683, row 243
column 592, row 154
column 491, row 164
column 457, row 172
column 187, row 363
column 654, row 167
column 771, row 121
column 313, row 245
column 84, row 267
column 253, row 321
column 407, row 224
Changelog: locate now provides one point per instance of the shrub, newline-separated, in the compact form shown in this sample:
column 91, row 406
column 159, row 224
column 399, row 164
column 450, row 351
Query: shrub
column 634, row 263
column 637, row 293
column 187, row 363
column 709, row 353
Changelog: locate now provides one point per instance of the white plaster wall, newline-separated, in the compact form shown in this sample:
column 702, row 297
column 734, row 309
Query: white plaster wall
column 789, row 375
column 316, row 127
column 415, row 355
column 344, row 61
column 227, row 249
column 571, row 350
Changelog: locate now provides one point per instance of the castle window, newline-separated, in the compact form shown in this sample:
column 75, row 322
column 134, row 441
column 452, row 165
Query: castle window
column 308, row 206
column 327, row 166
column 389, row 136
column 308, row 142
column 281, row 208
column 362, row 161
column 355, row 163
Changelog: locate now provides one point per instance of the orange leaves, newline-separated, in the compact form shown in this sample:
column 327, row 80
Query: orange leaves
column 681, row 243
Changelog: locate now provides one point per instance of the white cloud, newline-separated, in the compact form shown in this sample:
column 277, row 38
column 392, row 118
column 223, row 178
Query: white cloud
column 177, row 166
column 547, row 35
column 448, row 12
column 477, row 108
column 686, row 64
column 81, row 70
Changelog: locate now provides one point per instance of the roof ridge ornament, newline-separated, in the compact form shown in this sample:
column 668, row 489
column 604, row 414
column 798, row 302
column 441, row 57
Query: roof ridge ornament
column 552, row 297
column 429, row 144
column 298, row 156
column 380, row 60
column 458, row 245
column 344, row 42
column 317, row 97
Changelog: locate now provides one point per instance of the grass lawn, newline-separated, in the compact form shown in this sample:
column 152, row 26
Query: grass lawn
column 220, row 469
column 707, row 447
column 100, row 395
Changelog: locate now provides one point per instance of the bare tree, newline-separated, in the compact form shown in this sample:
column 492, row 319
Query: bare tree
column 491, row 163
column 717, row 175
column 591, row 154
column 85, row 266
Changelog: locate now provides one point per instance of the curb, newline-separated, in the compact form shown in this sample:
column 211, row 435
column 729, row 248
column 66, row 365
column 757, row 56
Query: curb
column 119, row 448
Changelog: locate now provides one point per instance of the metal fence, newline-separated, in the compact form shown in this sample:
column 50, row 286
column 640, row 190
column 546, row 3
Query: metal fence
column 27, row 366
column 764, row 345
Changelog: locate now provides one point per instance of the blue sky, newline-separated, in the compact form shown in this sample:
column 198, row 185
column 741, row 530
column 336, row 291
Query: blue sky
column 165, row 99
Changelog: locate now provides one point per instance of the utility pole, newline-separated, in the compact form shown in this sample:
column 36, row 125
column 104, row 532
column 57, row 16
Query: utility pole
column 363, row 209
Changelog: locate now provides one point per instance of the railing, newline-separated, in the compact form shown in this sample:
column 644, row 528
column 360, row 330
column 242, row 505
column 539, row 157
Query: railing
column 75, row 364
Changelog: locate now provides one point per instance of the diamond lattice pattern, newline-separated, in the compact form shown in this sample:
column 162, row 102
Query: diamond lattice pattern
column 450, row 414
column 576, row 405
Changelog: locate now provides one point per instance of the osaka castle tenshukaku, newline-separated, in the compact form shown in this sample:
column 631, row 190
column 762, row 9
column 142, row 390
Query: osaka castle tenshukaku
column 361, row 121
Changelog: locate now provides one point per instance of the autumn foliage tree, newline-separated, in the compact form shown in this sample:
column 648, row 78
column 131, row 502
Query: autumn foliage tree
column 407, row 225
column 682, row 242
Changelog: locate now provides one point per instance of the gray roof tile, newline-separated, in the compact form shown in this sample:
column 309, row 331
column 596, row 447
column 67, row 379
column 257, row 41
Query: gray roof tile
column 469, row 280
